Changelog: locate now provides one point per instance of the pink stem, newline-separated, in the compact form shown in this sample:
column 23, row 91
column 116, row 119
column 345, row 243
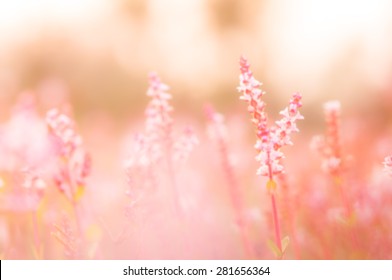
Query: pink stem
column 276, row 223
column 349, row 213
column 240, row 221
column 77, row 219
column 289, row 202
column 278, row 239
column 236, row 200
column 176, row 197
column 37, row 240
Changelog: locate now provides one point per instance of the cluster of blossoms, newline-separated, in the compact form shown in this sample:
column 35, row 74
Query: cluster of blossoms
column 185, row 145
column 329, row 146
column 24, row 160
column 270, row 139
column 159, row 122
column 17, row 150
column 388, row 165
column 217, row 131
column 74, row 162
column 157, row 145
column 24, row 194
column 216, row 128
column 139, row 168
column 61, row 128
column 158, row 112
column 157, row 141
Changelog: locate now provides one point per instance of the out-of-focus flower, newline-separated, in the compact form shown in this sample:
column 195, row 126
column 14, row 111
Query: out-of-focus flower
column 33, row 181
column 24, row 193
column 158, row 140
column 64, row 137
column 25, row 157
column 158, row 112
column 388, row 165
column 184, row 145
column 218, row 133
column 23, row 138
column 150, row 146
column 329, row 146
column 74, row 163
column 158, row 149
column 216, row 128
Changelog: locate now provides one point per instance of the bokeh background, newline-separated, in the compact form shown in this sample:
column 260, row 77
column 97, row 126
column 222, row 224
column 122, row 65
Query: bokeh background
column 96, row 55
column 101, row 51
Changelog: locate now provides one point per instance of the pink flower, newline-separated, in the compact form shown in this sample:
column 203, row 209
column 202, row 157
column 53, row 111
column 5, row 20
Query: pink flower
column 18, row 151
column 388, row 165
column 329, row 146
column 269, row 139
column 184, row 145
column 216, row 128
column 149, row 147
column 158, row 112
column 61, row 128
column 157, row 141
column 24, row 194
column 25, row 161
column 157, row 144
column 33, row 181
column 74, row 163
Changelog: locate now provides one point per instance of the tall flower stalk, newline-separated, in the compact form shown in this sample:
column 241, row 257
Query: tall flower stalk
column 159, row 127
column 218, row 133
column 270, row 139
column 330, row 148
column 334, row 161
column 23, row 169
column 157, row 145
column 73, row 164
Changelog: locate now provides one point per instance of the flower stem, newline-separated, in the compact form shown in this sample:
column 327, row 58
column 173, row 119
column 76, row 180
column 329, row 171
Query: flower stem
column 271, row 187
column 349, row 213
column 278, row 238
column 175, row 193
column 288, row 201
column 37, row 239
column 77, row 219
column 236, row 201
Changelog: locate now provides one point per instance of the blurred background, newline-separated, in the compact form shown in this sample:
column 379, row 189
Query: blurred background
column 95, row 55
column 100, row 52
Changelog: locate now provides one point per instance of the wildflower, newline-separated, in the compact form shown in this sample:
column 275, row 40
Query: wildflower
column 269, row 139
column 18, row 151
column 74, row 162
column 329, row 146
column 61, row 128
column 388, row 165
column 24, row 160
column 157, row 145
column 218, row 132
column 158, row 113
column 184, row 145
column 139, row 166
column 216, row 124
column 33, row 181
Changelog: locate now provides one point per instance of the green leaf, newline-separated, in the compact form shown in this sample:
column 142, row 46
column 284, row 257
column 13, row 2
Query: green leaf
column 285, row 243
column 274, row 248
